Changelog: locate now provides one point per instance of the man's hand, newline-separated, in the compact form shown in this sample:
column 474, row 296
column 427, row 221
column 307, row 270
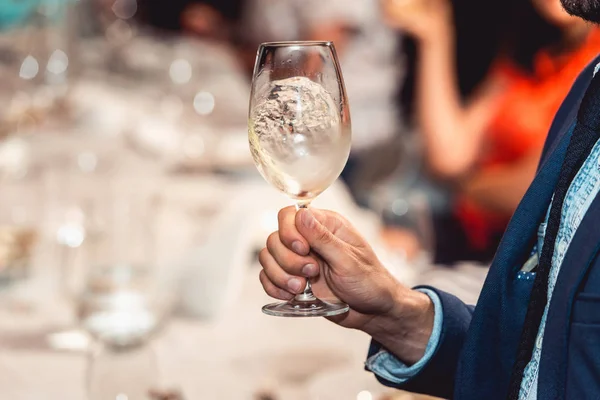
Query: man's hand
column 323, row 246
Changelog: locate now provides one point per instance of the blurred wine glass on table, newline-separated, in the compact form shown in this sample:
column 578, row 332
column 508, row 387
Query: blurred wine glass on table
column 84, row 176
column 124, row 301
column 407, row 218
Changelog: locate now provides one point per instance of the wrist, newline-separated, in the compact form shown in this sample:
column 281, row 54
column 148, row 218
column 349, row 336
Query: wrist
column 406, row 328
column 439, row 35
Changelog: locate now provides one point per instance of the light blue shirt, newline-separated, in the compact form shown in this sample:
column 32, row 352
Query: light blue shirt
column 387, row 366
column 580, row 195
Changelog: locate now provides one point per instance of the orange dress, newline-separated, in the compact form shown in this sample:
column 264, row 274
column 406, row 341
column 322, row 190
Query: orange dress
column 525, row 112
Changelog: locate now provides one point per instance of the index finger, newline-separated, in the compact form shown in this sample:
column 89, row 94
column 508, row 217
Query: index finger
column 288, row 234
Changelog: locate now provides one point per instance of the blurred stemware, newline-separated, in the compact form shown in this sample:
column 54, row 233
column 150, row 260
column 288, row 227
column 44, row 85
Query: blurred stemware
column 407, row 215
column 125, row 302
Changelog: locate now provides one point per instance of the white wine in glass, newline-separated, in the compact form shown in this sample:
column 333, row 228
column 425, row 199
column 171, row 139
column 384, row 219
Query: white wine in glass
column 300, row 135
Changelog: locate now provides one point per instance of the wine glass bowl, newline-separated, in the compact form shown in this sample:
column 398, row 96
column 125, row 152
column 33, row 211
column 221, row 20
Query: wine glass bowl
column 122, row 305
column 299, row 132
column 299, row 123
column 123, row 301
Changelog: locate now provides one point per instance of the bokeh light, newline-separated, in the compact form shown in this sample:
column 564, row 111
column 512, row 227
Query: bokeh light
column 180, row 71
column 204, row 103
column 58, row 62
column 29, row 68
column 125, row 9
column 364, row 395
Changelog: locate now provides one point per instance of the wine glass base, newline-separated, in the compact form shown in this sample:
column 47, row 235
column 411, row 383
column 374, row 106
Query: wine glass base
column 305, row 308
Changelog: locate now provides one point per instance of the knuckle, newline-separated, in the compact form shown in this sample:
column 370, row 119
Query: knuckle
column 264, row 280
column 275, row 274
column 356, row 260
column 324, row 237
column 272, row 240
column 263, row 257
column 287, row 262
column 273, row 292
column 286, row 235
column 281, row 215
column 267, row 285
column 284, row 214
column 293, row 264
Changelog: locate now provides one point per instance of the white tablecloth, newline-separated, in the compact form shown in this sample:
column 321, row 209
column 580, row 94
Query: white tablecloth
column 231, row 357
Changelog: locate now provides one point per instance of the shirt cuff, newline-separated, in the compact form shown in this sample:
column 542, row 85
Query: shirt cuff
column 387, row 366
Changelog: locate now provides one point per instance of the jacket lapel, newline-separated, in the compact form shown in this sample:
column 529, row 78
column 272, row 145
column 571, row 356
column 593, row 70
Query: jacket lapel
column 533, row 207
column 581, row 252
column 490, row 348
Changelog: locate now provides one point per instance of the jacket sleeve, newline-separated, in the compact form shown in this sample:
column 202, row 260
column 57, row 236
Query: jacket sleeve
column 436, row 376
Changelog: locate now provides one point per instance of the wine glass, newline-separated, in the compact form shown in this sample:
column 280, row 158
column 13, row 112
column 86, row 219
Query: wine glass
column 300, row 135
column 125, row 301
column 406, row 214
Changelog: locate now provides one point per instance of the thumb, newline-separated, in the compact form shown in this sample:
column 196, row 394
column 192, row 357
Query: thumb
column 317, row 228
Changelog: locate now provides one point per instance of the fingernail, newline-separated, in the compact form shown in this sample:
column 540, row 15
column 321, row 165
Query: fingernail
column 308, row 219
column 295, row 285
column 298, row 248
column 309, row 270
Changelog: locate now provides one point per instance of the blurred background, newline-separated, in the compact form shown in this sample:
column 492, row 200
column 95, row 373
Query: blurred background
column 131, row 212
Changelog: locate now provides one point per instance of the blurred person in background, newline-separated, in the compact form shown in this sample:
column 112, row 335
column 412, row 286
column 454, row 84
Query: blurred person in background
column 210, row 19
column 484, row 98
column 368, row 55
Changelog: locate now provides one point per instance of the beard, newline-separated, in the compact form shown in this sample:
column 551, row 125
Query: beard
column 586, row 9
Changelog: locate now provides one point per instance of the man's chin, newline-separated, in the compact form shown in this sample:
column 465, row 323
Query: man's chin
column 586, row 9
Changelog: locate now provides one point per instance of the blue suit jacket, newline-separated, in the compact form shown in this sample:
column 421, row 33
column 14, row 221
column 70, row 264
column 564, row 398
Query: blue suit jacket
column 478, row 344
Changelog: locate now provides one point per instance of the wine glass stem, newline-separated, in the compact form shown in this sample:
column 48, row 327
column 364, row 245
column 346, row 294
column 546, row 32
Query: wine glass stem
column 307, row 294
column 303, row 204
